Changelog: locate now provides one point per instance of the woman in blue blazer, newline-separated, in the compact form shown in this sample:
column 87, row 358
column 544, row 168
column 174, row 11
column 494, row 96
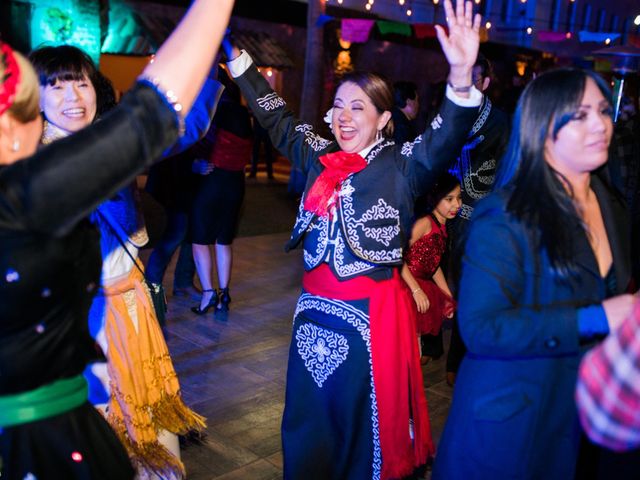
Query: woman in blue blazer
column 546, row 261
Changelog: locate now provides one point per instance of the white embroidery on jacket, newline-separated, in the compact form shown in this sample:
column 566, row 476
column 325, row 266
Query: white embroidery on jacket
column 345, row 269
column 315, row 141
column 381, row 146
column 350, row 226
column 436, row 123
column 321, row 224
column 383, row 233
column 407, row 147
column 271, row 101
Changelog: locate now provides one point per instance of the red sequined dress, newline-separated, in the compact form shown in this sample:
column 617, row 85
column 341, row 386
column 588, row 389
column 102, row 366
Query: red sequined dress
column 422, row 259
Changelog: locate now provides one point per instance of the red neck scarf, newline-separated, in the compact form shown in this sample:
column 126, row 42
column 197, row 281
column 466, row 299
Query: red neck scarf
column 323, row 192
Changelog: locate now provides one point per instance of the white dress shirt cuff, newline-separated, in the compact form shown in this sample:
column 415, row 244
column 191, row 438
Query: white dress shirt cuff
column 474, row 100
column 241, row 63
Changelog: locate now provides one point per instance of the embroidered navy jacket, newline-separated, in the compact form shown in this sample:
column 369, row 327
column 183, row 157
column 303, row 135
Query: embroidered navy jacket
column 375, row 206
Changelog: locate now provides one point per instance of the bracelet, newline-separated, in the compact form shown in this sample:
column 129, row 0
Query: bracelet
column 465, row 89
column 413, row 292
column 170, row 98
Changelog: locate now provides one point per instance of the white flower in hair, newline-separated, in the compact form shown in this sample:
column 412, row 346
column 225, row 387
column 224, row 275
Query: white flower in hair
column 328, row 118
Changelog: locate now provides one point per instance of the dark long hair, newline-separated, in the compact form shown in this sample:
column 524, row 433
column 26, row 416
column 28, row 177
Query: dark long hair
column 66, row 63
column 537, row 193
column 429, row 201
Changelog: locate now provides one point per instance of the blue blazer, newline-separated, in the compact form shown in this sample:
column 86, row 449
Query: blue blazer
column 513, row 413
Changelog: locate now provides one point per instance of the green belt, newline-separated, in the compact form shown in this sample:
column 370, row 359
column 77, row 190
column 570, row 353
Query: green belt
column 43, row 402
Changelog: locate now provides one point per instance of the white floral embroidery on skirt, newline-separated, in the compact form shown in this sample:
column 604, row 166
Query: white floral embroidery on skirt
column 322, row 351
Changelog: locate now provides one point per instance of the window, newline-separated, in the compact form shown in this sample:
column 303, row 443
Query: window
column 570, row 22
column 602, row 17
column 586, row 17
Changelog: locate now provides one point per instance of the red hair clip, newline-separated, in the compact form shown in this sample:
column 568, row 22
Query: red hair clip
column 10, row 79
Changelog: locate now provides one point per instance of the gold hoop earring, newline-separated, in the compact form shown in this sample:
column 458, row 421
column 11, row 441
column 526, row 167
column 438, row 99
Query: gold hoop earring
column 16, row 145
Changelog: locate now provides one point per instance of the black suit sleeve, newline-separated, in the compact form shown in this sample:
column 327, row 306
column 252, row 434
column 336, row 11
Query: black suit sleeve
column 52, row 190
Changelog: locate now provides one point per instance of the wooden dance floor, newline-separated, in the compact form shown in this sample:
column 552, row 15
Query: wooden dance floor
column 232, row 366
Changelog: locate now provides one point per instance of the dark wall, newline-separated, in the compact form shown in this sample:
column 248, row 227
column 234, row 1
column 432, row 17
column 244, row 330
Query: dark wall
column 15, row 25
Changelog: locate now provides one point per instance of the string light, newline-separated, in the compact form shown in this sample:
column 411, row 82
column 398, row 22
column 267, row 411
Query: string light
column 568, row 35
column 76, row 457
column 636, row 21
column 436, row 2
column 529, row 30
column 401, row 2
column 477, row 2
column 409, row 12
column 269, row 73
column 523, row 1
column 607, row 41
column 487, row 25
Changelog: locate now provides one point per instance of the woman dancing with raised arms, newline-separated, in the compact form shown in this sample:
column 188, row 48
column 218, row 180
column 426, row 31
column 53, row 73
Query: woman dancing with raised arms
column 355, row 404
column 50, row 256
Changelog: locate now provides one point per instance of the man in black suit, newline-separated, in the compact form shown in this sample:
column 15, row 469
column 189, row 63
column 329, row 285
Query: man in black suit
column 476, row 170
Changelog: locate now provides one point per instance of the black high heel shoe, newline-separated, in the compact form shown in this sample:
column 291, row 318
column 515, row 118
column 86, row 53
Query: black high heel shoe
column 225, row 300
column 212, row 303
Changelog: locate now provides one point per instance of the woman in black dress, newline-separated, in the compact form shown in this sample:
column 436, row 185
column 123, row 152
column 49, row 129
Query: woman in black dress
column 50, row 256
column 216, row 207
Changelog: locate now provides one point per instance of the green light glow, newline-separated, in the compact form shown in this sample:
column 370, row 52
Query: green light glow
column 71, row 22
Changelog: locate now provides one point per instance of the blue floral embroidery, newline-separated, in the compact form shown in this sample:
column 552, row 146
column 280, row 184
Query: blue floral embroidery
column 322, row 351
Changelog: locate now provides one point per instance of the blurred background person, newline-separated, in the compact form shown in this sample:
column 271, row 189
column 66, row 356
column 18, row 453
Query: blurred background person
column 476, row 170
column 172, row 183
column 261, row 139
column 215, row 211
column 405, row 110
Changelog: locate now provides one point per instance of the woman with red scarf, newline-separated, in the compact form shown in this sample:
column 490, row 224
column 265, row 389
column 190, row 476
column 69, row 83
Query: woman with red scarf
column 355, row 405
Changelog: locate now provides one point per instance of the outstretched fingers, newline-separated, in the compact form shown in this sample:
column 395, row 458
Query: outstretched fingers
column 476, row 22
column 460, row 10
column 449, row 13
column 468, row 14
column 463, row 14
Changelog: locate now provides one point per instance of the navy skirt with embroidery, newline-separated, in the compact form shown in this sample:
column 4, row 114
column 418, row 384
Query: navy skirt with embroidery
column 330, row 421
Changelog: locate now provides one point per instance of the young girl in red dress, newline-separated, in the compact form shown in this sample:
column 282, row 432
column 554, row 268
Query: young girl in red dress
column 422, row 271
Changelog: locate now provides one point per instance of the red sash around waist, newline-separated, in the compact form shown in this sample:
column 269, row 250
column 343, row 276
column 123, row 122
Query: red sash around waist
column 396, row 366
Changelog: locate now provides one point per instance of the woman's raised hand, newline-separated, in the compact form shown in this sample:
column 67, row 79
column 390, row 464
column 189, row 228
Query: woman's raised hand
column 186, row 57
column 461, row 45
